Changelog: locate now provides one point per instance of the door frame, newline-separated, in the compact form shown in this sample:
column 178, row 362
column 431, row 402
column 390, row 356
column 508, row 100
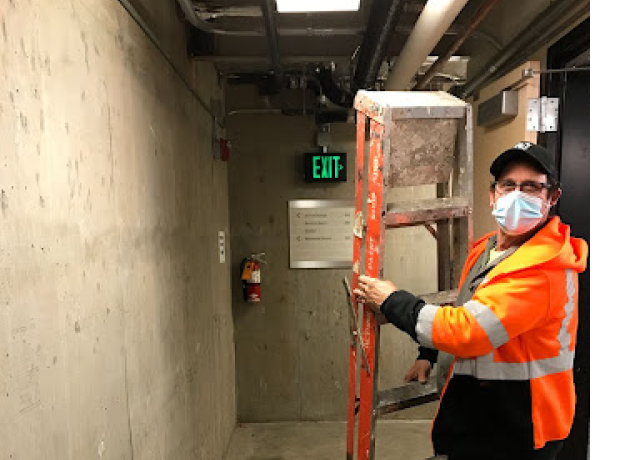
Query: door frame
column 561, row 55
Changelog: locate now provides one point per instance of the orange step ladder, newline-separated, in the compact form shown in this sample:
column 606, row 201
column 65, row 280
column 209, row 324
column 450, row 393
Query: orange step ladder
column 415, row 138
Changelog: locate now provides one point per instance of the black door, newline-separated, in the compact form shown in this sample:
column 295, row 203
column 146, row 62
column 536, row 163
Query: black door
column 571, row 147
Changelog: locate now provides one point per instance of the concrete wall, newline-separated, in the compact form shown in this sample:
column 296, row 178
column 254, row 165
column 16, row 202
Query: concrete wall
column 292, row 349
column 116, row 337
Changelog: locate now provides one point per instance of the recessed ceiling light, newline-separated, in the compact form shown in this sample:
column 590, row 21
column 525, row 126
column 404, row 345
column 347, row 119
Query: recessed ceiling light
column 314, row 6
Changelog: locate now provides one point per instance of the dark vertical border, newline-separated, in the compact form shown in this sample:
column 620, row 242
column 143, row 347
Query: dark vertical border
column 570, row 147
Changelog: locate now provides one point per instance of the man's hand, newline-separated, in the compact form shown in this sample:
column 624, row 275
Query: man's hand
column 374, row 291
column 419, row 371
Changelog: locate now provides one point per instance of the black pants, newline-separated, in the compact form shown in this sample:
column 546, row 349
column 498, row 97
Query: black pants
column 548, row 452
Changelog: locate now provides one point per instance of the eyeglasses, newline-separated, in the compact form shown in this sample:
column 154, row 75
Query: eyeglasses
column 529, row 187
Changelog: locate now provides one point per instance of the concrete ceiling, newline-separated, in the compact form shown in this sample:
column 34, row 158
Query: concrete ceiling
column 307, row 39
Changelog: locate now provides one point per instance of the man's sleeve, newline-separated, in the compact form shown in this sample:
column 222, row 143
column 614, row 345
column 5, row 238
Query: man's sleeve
column 428, row 354
column 506, row 308
column 402, row 308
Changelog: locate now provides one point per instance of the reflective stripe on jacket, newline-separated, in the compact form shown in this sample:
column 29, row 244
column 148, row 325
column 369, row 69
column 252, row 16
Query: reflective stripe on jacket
column 511, row 383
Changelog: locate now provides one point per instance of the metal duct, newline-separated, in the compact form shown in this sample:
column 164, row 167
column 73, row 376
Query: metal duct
column 383, row 20
column 432, row 24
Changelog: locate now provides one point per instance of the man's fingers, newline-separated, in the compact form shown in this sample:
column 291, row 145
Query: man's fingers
column 422, row 374
column 410, row 375
column 419, row 371
column 363, row 280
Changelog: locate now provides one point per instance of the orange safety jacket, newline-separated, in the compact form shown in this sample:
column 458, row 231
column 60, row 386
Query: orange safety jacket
column 510, row 387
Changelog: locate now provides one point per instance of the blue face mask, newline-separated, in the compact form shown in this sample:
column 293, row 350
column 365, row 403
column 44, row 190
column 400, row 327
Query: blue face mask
column 517, row 213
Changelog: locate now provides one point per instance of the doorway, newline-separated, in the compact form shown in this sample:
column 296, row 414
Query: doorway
column 570, row 145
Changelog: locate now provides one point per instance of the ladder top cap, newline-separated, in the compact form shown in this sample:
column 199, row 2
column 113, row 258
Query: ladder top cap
column 384, row 106
column 407, row 99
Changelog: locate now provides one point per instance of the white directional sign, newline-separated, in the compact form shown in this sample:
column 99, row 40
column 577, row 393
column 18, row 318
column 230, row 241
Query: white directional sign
column 320, row 233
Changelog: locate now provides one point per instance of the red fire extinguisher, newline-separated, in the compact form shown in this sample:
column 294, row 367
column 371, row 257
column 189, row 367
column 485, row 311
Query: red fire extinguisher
column 251, row 278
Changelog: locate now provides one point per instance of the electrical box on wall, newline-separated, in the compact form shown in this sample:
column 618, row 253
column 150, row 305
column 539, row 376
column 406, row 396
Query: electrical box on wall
column 325, row 167
column 503, row 106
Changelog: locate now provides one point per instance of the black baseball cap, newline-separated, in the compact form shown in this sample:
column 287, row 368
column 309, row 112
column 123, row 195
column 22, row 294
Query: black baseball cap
column 525, row 150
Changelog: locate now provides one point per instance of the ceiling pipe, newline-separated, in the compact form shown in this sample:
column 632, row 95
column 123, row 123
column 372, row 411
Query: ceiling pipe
column 543, row 28
column 200, row 22
column 233, row 12
column 334, row 92
column 192, row 16
column 269, row 9
column 375, row 44
column 337, row 32
column 437, row 66
column 383, row 19
column 436, row 17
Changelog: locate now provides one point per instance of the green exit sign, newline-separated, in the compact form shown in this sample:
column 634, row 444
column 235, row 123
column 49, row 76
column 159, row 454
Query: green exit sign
column 325, row 167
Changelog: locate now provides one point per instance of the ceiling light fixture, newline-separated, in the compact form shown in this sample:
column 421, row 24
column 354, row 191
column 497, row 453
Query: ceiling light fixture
column 315, row 6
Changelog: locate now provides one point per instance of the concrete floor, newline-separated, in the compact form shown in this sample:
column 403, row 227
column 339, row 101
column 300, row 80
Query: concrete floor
column 396, row 440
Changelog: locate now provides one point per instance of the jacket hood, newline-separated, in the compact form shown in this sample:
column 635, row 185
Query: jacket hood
column 551, row 247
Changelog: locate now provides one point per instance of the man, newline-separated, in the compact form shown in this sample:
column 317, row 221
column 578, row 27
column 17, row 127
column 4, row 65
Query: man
column 509, row 392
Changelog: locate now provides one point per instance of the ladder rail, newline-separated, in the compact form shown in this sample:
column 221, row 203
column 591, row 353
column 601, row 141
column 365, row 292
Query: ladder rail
column 374, row 247
column 357, row 246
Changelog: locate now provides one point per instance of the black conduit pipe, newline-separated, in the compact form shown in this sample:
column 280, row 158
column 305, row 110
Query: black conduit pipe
column 269, row 10
column 330, row 88
column 383, row 20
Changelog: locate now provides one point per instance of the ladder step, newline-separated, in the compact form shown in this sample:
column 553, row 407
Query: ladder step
column 410, row 395
column 405, row 214
column 440, row 298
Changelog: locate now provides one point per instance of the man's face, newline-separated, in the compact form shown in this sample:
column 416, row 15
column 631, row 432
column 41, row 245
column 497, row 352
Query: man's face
column 519, row 173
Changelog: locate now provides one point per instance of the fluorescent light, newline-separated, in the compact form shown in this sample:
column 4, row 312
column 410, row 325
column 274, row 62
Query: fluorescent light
column 313, row 6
